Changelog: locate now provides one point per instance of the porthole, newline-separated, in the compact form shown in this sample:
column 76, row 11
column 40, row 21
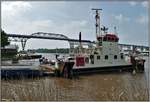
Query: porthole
column 122, row 56
column 91, row 56
column 98, row 57
column 115, row 56
column 106, row 57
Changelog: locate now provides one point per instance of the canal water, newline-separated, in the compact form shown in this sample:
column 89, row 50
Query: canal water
column 96, row 87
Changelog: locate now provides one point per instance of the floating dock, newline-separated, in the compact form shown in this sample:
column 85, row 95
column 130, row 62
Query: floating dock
column 17, row 72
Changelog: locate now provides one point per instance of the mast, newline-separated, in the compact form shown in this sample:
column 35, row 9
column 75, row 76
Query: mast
column 97, row 25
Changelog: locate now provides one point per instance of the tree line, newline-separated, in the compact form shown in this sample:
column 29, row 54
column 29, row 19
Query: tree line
column 4, row 39
column 45, row 50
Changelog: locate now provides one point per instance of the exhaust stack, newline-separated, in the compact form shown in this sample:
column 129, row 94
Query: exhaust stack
column 80, row 37
column 80, row 44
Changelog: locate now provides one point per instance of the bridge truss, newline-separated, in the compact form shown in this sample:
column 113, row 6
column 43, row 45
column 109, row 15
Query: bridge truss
column 42, row 35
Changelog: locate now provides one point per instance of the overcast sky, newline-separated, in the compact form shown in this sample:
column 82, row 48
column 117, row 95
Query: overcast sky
column 69, row 18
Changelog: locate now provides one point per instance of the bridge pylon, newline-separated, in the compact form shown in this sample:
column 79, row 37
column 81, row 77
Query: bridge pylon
column 23, row 43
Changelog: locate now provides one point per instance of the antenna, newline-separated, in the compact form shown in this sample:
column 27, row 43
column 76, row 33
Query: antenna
column 97, row 25
column 115, row 30
column 104, row 29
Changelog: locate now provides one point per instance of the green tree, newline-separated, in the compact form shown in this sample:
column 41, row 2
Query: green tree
column 4, row 39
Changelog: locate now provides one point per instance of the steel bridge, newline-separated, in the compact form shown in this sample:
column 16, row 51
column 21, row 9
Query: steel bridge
column 53, row 36
column 42, row 35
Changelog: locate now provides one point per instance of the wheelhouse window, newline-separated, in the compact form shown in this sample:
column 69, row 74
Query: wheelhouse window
column 98, row 57
column 115, row 56
column 113, row 39
column 106, row 57
column 110, row 37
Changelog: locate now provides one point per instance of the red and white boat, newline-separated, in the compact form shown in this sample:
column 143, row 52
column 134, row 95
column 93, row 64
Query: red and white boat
column 103, row 55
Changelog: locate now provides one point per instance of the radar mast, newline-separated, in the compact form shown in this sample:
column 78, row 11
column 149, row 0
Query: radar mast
column 97, row 25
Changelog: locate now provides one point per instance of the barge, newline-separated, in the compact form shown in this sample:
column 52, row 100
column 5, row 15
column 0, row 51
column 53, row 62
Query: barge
column 22, row 71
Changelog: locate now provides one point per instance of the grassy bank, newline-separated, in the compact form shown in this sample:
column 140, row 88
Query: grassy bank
column 45, row 50
column 61, row 89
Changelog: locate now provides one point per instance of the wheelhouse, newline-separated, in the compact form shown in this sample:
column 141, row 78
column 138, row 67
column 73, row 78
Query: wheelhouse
column 108, row 37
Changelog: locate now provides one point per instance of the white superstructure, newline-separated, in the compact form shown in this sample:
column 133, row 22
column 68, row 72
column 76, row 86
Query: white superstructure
column 105, row 54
